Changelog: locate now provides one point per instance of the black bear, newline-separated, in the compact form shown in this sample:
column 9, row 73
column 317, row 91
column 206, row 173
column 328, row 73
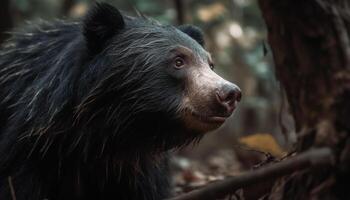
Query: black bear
column 90, row 108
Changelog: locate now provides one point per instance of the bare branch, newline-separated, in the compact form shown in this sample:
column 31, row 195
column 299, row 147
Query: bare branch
column 316, row 158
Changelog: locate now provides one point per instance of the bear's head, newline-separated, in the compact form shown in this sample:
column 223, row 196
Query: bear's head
column 153, row 78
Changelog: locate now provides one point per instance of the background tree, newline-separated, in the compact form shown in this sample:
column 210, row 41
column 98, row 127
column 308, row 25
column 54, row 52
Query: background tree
column 5, row 19
column 179, row 5
column 311, row 49
column 67, row 6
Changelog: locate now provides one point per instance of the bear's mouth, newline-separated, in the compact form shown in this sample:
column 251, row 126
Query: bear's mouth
column 208, row 119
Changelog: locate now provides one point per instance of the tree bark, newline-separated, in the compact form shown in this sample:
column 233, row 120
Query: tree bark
column 311, row 49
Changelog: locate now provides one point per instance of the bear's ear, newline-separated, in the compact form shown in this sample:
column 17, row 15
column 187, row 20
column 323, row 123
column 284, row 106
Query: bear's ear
column 101, row 23
column 194, row 32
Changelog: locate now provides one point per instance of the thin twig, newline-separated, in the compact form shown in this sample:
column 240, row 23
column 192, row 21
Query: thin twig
column 268, row 157
column 322, row 157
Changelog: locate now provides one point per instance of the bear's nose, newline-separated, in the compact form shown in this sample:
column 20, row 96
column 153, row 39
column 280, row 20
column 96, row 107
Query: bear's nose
column 228, row 95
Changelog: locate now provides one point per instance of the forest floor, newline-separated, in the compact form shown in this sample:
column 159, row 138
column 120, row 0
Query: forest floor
column 193, row 172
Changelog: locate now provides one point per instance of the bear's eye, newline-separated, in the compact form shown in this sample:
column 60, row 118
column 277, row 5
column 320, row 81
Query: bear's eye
column 212, row 66
column 179, row 62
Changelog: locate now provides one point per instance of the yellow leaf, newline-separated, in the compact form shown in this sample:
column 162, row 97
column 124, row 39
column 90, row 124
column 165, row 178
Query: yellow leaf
column 263, row 142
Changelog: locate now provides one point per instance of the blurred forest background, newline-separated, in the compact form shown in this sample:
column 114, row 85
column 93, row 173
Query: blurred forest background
column 235, row 35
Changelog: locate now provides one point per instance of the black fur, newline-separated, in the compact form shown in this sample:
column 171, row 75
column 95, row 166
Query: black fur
column 88, row 110
column 193, row 32
column 100, row 24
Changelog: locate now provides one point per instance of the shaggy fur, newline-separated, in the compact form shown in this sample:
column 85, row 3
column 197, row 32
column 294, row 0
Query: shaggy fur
column 87, row 109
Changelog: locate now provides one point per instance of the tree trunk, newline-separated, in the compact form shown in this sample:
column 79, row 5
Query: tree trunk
column 67, row 6
column 311, row 48
column 5, row 19
column 180, row 11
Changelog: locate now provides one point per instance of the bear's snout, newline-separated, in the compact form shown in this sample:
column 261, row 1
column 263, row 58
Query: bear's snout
column 209, row 99
column 227, row 96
